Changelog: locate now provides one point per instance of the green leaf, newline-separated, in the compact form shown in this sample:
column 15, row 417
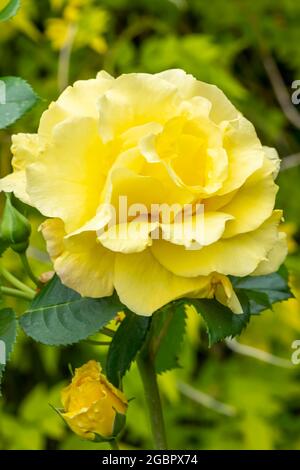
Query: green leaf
column 8, row 334
column 60, row 316
column 220, row 321
column 263, row 291
column 258, row 301
column 256, row 293
column 125, row 345
column 16, row 97
column 3, row 246
column 10, row 10
column 167, row 331
column 119, row 424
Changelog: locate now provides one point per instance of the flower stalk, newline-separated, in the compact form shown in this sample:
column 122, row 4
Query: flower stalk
column 16, row 293
column 148, row 375
column 28, row 269
column 14, row 281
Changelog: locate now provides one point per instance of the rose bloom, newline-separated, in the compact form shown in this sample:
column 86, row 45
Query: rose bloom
column 165, row 138
column 90, row 402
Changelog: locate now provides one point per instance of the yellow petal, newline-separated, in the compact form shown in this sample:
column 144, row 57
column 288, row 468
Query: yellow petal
column 25, row 149
column 221, row 110
column 224, row 293
column 130, row 237
column 79, row 99
column 245, row 154
column 237, row 256
column 144, row 286
column 139, row 189
column 275, row 257
column 248, row 215
column 204, row 229
column 15, row 183
column 135, row 99
column 67, row 180
column 274, row 160
column 79, row 259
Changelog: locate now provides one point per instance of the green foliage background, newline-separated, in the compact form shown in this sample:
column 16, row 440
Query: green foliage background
column 227, row 43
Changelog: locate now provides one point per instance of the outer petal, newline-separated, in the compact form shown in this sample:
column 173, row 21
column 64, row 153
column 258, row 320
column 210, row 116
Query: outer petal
column 15, row 183
column 67, row 180
column 237, row 256
column 79, row 99
column 251, row 206
column 275, row 257
column 273, row 159
column 80, row 261
column 245, row 154
column 144, row 286
column 25, row 149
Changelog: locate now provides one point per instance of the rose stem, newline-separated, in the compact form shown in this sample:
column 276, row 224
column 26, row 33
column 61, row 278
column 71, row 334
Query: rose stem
column 28, row 269
column 15, row 281
column 149, row 379
column 16, row 293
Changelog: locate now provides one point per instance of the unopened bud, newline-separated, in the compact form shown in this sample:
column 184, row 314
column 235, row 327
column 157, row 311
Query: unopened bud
column 15, row 228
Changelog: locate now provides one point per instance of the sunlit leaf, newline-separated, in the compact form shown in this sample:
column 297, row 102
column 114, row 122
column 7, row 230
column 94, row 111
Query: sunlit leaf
column 16, row 97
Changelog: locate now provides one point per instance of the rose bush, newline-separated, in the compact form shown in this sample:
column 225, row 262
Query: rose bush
column 156, row 139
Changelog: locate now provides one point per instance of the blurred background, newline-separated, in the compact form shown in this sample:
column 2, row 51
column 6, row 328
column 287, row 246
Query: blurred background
column 242, row 395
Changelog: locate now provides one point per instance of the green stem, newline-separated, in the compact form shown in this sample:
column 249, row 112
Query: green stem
column 28, row 269
column 149, row 379
column 16, row 293
column 14, row 281
column 114, row 445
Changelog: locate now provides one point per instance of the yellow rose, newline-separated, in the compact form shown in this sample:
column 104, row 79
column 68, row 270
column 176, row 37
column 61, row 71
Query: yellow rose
column 90, row 402
column 155, row 139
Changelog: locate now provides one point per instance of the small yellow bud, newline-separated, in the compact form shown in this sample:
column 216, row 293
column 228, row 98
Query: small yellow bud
column 91, row 403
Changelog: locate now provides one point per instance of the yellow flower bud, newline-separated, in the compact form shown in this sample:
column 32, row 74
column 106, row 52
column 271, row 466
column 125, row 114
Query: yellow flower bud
column 91, row 403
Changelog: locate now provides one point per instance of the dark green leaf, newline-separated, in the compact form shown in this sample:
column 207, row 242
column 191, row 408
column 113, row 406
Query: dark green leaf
column 220, row 321
column 263, row 291
column 258, row 301
column 16, row 97
column 3, row 246
column 8, row 333
column 60, row 316
column 167, row 331
column 119, row 424
column 10, row 10
column 125, row 345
